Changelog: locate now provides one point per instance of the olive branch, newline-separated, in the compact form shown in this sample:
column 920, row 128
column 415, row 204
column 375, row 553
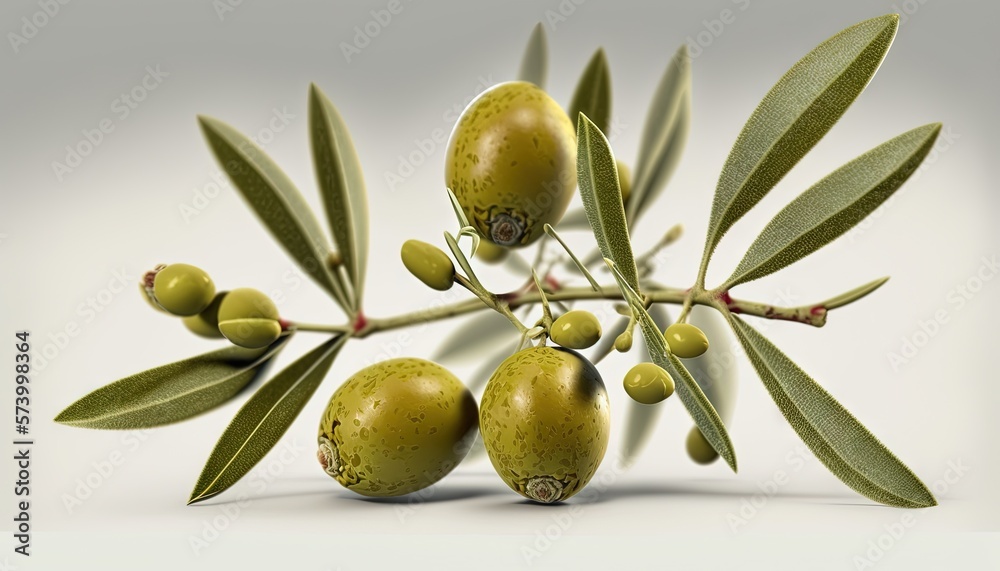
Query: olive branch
column 794, row 115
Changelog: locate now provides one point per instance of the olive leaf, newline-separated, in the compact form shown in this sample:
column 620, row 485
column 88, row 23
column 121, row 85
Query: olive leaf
column 171, row 393
column 641, row 418
column 480, row 333
column 602, row 197
column 574, row 220
column 463, row 261
column 276, row 201
column 846, row 447
column 535, row 62
column 716, row 369
column 793, row 117
column 664, row 134
column 835, row 204
column 695, row 401
column 592, row 96
column 342, row 186
column 579, row 265
column 262, row 421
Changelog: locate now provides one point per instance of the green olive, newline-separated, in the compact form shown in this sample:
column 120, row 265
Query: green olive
column 490, row 252
column 576, row 329
column 206, row 323
column 511, row 163
column 251, row 332
column 429, row 264
column 249, row 318
column 624, row 180
column 183, row 289
column 247, row 302
column 648, row 383
column 698, row 448
column 396, row 427
column 544, row 418
column 686, row 340
column 623, row 343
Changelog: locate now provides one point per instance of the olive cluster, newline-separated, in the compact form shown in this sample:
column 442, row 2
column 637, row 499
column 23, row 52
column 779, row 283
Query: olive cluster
column 245, row 316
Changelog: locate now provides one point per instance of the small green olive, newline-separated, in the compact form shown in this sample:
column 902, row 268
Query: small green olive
column 511, row 162
column 251, row 332
column 206, row 323
column 648, row 383
column 396, row 427
column 490, row 252
column 429, row 264
column 183, row 289
column 686, row 340
column 545, row 421
column 698, row 448
column 623, row 343
column 245, row 302
column 576, row 329
column 624, row 180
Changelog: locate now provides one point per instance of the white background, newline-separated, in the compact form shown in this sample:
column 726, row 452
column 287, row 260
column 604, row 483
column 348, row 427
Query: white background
column 64, row 237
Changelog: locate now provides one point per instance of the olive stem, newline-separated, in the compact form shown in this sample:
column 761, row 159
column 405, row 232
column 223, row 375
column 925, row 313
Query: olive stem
column 491, row 300
column 813, row 314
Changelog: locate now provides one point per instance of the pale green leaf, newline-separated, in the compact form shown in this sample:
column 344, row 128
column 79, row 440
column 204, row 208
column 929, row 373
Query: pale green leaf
column 794, row 116
column 574, row 220
column 579, row 265
column 263, row 420
column 846, row 447
column 479, row 334
column 641, row 419
column 664, row 134
column 607, row 342
column 602, row 197
column 342, row 186
column 170, row 393
column 276, row 201
column 535, row 62
column 835, row 204
column 592, row 96
column 716, row 370
column 695, row 401
column 463, row 260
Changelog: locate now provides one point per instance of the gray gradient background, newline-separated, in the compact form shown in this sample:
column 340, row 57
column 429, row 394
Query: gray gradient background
column 62, row 241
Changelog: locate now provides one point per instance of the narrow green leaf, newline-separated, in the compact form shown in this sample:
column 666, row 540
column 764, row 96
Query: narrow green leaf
column 853, row 295
column 574, row 220
column 602, row 197
column 579, row 265
column 835, row 204
column 716, row 370
column 794, row 116
column 535, row 62
column 641, row 419
column 664, row 134
column 263, row 420
column 695, row 401
column 462, row 260
column 846, row 447
column 276, row 201
column 607, row 342
column 592, row 96
column 478, row 335
column 342, row 186
column 170, row 393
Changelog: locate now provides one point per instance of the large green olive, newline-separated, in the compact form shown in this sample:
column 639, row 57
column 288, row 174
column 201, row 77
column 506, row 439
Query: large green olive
column 206, row 323
column 648, row 383
column 396, row 427
column 512, row 163
column 545, row 420
column 249, row 318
